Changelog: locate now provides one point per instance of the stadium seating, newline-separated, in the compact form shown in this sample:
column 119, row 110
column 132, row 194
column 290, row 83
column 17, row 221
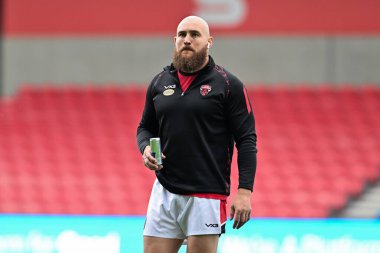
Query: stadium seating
column 72, row 149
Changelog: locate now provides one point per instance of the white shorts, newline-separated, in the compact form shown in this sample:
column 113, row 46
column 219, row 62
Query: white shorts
column 179, row 216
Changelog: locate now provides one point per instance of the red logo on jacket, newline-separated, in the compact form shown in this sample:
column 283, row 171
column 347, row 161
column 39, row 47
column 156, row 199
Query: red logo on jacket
column 205, row 89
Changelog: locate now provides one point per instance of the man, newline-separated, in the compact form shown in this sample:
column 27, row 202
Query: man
column 199, row 110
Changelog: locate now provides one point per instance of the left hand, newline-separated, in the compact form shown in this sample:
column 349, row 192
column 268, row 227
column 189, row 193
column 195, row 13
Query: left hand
column 149, row 161
column 241, row 208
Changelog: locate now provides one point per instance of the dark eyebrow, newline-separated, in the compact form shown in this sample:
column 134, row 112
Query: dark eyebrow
column 190, row 31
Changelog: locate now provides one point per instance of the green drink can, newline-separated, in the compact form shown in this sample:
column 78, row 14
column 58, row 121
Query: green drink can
column 155, row 146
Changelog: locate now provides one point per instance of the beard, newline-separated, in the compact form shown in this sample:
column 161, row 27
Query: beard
column 191, row 63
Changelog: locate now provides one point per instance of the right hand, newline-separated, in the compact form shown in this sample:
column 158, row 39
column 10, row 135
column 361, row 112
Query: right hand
column 149, row 161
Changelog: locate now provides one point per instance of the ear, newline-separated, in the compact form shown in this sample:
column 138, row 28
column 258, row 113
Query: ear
column 210, row 42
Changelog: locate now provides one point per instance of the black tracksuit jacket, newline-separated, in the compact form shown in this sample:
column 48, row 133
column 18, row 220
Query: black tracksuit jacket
column 198, row 129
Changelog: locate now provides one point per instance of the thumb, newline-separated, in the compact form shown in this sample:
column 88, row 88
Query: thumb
column 232, row 213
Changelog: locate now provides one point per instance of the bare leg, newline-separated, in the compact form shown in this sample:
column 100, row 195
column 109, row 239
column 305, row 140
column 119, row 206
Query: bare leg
column 202, row 243
column 161, row 245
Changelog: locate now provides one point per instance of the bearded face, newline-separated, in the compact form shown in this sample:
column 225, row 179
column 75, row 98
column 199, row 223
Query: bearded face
column 188, row 60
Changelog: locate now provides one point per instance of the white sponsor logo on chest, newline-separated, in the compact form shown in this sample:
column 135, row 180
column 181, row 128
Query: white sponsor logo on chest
column 169, row 86
column 168, row 92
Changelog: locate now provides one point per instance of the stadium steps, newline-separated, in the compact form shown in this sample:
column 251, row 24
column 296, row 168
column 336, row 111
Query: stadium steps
column 366, row 206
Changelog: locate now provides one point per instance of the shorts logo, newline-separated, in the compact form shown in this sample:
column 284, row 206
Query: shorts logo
column 211, row 225
column 205, row 89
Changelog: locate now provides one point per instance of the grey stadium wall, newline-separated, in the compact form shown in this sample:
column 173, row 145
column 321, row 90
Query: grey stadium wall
column 60, row 42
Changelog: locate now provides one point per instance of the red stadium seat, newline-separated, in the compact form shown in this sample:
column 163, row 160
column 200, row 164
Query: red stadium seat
column 72, row 150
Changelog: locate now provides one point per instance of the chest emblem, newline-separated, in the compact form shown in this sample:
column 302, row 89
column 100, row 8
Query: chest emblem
column 169, row 86
column 205, row 89
column 168, row 92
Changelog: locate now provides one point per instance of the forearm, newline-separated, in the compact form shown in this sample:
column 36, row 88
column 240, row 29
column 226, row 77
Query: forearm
column 247, row 162
column 148, row 127
column 143, row 137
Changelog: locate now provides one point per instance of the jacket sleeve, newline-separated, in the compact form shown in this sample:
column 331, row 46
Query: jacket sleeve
column 241, row 121
column 148, row 127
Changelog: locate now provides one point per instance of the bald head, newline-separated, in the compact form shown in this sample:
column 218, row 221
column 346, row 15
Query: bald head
column 192, row 43
column 194, row 22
